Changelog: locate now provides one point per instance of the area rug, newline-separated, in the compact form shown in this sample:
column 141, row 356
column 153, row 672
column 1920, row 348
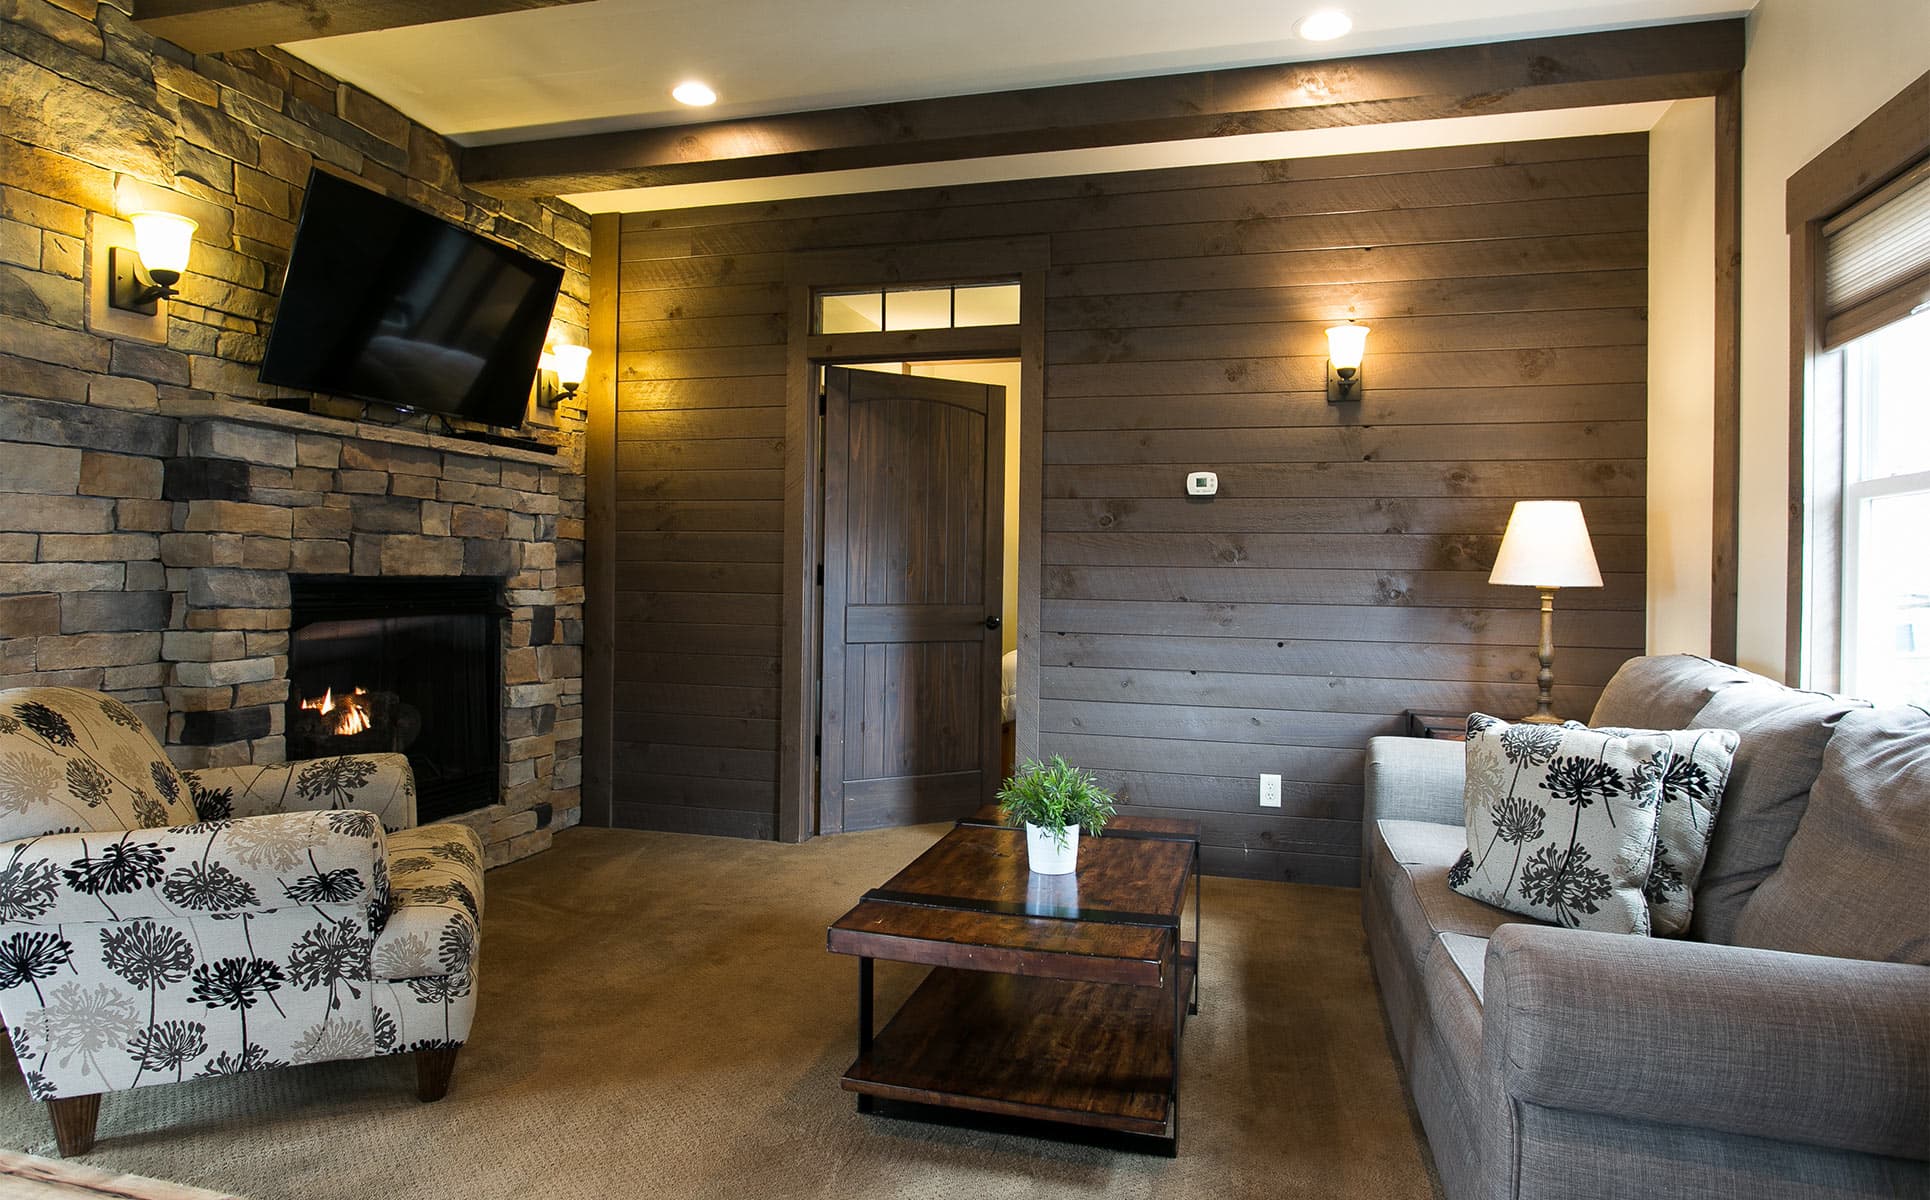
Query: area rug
column 659, row 1017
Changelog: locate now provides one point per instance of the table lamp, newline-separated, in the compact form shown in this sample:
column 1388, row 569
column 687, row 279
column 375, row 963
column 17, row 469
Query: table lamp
column 1546, row 547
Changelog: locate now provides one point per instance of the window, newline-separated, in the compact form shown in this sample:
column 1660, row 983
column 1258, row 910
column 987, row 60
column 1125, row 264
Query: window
column 1886, row 513
column 918, row 308
column 1859, row 469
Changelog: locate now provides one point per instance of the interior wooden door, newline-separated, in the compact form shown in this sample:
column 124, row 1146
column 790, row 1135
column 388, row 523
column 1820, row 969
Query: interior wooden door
column 913, row 516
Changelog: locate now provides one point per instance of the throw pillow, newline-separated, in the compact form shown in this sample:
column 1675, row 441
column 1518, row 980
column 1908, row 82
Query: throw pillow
column 1561, row 822
column 1784, row 734
column 1851, row 884
column 1692, row 786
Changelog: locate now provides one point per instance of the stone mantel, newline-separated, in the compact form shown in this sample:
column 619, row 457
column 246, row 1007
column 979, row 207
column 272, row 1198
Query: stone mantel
column 190, row 408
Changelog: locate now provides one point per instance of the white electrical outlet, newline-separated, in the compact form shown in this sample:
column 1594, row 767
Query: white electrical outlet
column 1269, row 791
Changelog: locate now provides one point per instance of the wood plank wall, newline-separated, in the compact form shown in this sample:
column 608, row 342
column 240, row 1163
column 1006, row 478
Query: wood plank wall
column 1187, row 646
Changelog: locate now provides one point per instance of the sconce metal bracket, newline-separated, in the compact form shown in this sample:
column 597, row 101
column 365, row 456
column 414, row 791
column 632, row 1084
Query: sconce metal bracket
column 1344, row 388
column 129, row 285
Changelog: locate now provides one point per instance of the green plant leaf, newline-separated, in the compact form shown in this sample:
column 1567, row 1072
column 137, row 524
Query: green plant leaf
column 1055, row 796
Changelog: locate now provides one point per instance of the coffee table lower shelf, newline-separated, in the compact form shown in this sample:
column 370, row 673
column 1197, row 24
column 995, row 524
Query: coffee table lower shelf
column 1092, row 1055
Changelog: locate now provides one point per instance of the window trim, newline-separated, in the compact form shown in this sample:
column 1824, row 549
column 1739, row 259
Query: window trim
column 1882, row 147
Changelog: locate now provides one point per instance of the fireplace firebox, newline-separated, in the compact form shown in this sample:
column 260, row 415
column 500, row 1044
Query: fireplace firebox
column 405, row 665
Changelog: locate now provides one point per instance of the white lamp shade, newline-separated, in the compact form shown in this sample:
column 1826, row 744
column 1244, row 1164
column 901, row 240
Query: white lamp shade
column 572, row 363
column 1346, row 344
column 162, row 240
column 1546, row 546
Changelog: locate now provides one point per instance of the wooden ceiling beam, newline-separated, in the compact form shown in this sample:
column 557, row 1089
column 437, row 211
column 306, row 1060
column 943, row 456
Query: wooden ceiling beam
column 209, row 26
column 1618, row 67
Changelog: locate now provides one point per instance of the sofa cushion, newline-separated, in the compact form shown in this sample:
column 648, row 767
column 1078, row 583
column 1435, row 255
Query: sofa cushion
column 1447, row 1073
column 1470, row 957
column 1412, row 864
column 1851, row 884
column 1577, row 806
column 1663, row 691
column 435, row 898
column 1783, row 733
column 75, row 761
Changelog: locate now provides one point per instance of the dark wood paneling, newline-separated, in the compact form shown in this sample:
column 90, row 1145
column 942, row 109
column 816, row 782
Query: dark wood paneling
column 1178, row 647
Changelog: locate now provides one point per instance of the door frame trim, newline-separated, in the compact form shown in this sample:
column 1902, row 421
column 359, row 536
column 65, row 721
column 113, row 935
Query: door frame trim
column 806, row 274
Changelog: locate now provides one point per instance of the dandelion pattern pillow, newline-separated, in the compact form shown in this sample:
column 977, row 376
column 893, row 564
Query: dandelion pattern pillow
column 1561, row 822
column 1692, row 786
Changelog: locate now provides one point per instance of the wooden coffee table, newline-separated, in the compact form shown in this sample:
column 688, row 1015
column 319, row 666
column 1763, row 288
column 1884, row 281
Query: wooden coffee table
column 1055, row 1003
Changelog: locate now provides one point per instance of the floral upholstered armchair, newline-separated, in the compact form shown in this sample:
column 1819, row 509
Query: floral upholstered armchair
column 159, row 925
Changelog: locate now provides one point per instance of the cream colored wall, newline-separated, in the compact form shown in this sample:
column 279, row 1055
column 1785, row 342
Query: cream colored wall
column 1681, row 427
column 1005, row 375
column 1815, row 69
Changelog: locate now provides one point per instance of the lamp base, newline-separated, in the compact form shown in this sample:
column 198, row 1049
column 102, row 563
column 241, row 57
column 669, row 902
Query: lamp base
column 1540, row 718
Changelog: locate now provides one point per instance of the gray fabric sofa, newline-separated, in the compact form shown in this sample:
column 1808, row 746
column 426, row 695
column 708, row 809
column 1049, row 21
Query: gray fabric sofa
column 1552, row 1062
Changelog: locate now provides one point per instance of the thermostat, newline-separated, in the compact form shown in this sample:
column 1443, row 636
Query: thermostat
column 1202, row 483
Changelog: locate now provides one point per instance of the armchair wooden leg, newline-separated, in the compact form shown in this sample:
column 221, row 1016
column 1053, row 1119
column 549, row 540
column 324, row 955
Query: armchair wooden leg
column 74, row 1118
column 432, row 1071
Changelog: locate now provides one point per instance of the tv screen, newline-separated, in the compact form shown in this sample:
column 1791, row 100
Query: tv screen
column 385, row 302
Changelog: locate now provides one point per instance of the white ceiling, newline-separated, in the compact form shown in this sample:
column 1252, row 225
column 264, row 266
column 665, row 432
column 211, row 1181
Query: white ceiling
column 610, row 64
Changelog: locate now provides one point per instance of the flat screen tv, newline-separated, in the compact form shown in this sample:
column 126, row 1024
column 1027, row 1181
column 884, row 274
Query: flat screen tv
column 386, row 302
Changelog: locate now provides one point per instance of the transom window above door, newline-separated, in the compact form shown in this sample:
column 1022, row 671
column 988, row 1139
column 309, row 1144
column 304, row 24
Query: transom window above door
column 896, row 309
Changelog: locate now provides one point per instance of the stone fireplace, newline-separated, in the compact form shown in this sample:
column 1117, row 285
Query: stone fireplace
column 199, row 543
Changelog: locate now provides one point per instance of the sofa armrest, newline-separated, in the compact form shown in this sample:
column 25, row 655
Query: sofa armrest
column 1410, row 779
column 332, row 861
column 1825, row 1051
column 379, row 783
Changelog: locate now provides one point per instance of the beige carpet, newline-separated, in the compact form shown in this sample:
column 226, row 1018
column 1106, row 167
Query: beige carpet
column 659, row 1018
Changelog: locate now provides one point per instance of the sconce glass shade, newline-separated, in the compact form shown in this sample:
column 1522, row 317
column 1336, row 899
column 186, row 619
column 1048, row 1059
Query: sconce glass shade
column 163, row 241
column 571, row 364
column 1546, row 546
column 1346, row 345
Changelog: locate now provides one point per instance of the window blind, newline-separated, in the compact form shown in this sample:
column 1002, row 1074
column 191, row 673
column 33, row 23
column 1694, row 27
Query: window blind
column 1876, row 258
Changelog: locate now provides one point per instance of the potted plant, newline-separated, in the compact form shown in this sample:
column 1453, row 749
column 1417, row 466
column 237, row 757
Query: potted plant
column 1054, row 800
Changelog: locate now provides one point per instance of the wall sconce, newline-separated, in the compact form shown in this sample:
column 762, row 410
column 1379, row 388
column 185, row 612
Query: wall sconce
column 569, row 364
column 1346, row 345
column 147, row 271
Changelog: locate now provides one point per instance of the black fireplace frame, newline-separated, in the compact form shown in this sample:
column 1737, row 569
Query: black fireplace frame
column 316, row 599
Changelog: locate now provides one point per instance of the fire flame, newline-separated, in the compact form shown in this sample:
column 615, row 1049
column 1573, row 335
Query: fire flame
column 350, row 711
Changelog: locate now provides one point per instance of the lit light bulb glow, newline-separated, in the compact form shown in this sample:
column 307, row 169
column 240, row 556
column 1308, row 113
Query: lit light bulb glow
column 1326, row 25
column 694, row 93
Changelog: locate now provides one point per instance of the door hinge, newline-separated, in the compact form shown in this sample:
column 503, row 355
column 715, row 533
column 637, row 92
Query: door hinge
column 824, row 401
column 817, row 746
column 820, row 574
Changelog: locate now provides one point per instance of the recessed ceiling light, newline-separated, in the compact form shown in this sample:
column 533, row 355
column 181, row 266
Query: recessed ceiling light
column 696, row 94
column 1326, row 25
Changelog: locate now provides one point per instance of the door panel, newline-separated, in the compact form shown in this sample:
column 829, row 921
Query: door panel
column 913, row 499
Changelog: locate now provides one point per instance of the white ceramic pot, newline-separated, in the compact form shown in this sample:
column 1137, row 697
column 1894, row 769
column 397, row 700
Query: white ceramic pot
column 1044, row 853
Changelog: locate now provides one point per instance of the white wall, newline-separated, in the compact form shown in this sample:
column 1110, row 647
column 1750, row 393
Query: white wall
column 1815, row 69
column 1681, row 425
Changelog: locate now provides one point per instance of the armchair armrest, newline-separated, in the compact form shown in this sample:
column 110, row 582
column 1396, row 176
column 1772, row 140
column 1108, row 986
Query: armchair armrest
column 379, row 783
column 334, row 861
column 1826, row 1051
